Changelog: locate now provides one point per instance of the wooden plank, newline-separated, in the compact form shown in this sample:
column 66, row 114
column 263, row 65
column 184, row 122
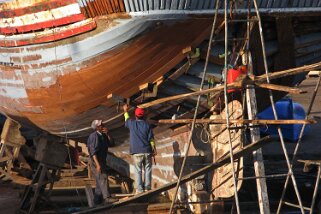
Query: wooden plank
column 121, row 5
column 182, row 96
column 50, row 35
column 127, row 5
column 200, row 4
column 168, row 4
column 187, row 5
column 181, row 4
column 246, row 150
column 145, row 7
column 162, row 5
column 238, row 121
column 263, row 198
column 153, row 4
column 131, row 6
column 289, row 72
column 207, row 4
column 194, row 4
column 141, row 5
column 42, row 24
column 34, row 8
column 234, row 85
column 174, row 5
column 311, row 162
column 275, row 87
column 137, row 5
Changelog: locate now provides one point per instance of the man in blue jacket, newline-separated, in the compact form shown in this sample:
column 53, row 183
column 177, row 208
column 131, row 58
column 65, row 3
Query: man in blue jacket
column 97, row 144
column 142, row 147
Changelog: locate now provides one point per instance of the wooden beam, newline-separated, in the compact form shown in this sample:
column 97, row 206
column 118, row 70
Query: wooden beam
column 246, row 150
column 275, row 87
column 289, row 72
column 182, row 96
column 240, row 121
column 256, row 80
column 259, row 168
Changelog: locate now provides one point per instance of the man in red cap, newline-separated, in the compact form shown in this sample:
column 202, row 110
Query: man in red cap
column 142, row 147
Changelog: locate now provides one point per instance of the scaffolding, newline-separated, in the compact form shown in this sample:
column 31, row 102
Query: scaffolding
column 248, row 84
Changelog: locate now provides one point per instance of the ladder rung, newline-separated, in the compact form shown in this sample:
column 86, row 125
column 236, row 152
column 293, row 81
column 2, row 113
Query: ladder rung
column 243, row 20
column 260, row 177
column 295, row 205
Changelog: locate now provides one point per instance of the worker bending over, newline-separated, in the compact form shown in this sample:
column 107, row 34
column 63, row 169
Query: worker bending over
column 142, row 147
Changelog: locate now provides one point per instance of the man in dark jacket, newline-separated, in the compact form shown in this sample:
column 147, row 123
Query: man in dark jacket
column 97, row 144
column 142, row 147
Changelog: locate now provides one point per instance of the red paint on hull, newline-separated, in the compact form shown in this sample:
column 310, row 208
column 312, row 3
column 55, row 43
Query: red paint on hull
column 50, row 37
column 43, row 25
column 49, row 5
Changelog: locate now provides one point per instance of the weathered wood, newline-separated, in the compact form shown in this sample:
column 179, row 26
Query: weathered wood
column 223, row 181
column 246, row 150
column 263, row 198
column 311, row 162
column 290, row 90
column 240, row 121
column 238, row 84
column 182, row 96
column 289, row 72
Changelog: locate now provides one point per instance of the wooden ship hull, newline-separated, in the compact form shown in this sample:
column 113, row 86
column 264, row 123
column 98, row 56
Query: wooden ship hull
column 60, row 59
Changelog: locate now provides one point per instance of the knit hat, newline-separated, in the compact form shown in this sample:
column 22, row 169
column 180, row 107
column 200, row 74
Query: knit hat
column 96, row 123
column 139, row 112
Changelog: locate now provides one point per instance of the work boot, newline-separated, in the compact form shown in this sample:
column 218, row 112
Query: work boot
column 110, row 200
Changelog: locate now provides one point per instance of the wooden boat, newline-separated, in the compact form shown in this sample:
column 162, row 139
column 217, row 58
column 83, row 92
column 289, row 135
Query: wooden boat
column 60, row 59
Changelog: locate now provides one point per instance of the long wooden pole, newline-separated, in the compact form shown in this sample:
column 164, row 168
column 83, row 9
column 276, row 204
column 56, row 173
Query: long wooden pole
column 239, row 121
column 259, row 81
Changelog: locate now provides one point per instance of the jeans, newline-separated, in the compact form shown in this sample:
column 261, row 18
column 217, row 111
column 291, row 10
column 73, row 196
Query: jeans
column 143, row 161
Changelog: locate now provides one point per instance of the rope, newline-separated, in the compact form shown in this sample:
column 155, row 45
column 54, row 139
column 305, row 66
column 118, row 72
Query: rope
column 196, row 109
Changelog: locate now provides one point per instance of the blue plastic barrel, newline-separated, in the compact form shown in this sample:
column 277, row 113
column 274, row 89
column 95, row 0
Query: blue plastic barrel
column 287, row 110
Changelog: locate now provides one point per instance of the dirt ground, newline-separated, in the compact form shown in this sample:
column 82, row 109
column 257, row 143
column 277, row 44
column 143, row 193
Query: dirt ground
column 9, row 194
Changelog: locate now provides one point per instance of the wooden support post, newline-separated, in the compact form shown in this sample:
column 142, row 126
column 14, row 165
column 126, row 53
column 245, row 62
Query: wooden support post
column 263, row 198
column 11, row 141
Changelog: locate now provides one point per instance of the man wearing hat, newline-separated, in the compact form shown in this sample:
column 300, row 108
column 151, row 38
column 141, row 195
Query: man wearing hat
column 142, row 147
column 97, row 144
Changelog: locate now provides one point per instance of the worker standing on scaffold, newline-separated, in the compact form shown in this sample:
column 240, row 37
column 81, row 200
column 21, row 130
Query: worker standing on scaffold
column 142, row 148
column 98, row 143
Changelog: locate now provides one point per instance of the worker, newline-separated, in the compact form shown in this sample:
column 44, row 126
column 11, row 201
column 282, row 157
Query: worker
column 142, row 148
column 98, row 143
